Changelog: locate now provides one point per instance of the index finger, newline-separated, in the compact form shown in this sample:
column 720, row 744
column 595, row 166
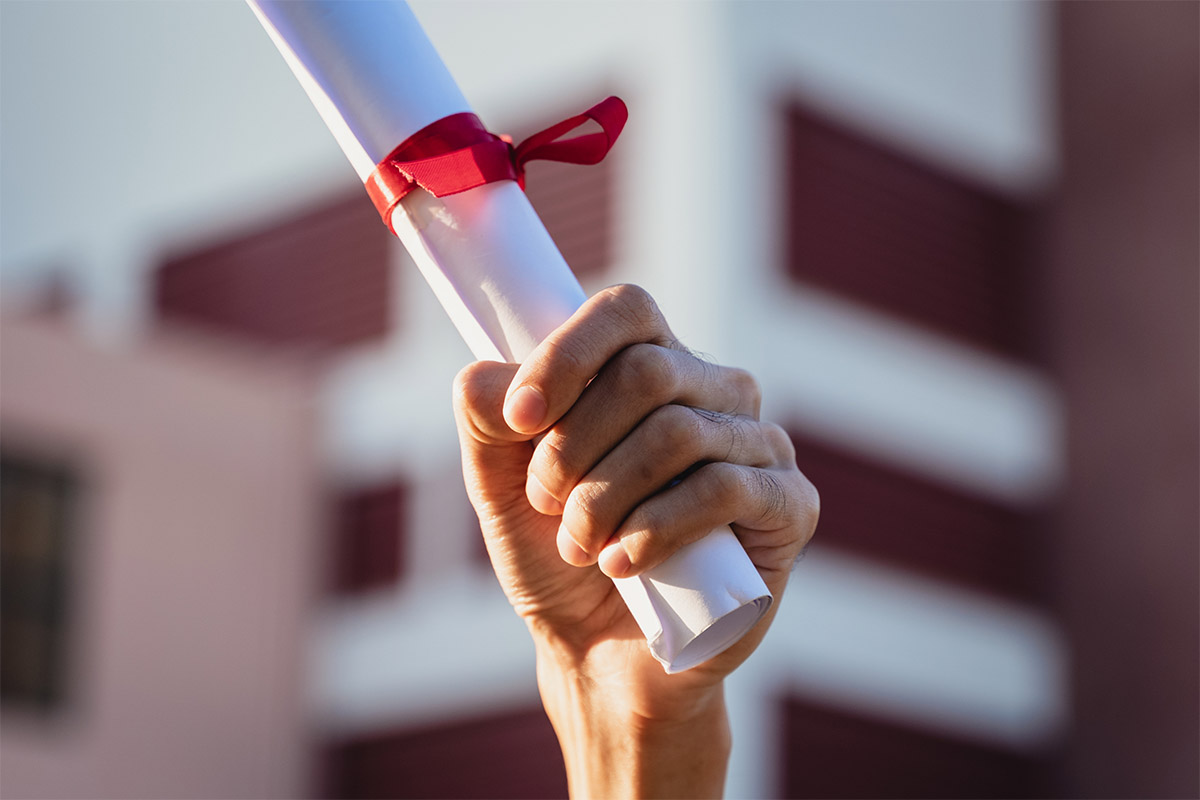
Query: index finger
column 556, row 373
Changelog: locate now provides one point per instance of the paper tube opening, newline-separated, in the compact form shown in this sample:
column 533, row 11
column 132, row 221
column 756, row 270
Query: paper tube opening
column 719, row 636
column 698, row 602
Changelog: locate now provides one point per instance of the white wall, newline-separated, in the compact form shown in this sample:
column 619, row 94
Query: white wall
column 128, row 127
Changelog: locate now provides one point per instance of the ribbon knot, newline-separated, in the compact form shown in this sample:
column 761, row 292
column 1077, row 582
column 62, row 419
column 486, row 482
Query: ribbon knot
column 457, row 153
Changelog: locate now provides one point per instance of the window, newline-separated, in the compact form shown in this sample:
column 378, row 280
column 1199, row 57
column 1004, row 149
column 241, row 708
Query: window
column 38, row 504
column 833, row 753
column 320, row 279
column 367, row 551
column 880, row 512
column 504, row 755
column 884, row 229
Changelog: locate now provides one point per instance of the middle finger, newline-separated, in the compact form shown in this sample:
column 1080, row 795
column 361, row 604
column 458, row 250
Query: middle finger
column 640, row 379
column 670, row 441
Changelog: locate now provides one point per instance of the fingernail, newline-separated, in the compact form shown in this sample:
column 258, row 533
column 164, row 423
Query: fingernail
column 614, row 561
column 542, row 501
column 525, row 409
column 571, row 552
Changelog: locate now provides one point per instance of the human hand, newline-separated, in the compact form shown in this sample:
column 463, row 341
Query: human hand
column 622, row 409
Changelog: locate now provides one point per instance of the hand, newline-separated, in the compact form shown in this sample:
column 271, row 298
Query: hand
column 621, row 409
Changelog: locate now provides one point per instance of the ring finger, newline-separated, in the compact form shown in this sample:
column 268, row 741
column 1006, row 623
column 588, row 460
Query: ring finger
column 640, row 379
column 667, row 443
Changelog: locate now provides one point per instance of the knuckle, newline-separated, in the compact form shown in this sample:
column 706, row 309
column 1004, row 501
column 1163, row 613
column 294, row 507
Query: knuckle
column 748, row 388
column 569, row 358
column 467, row 382
column 773, row 497
column 736, row 428
column 583, row 517
column 554, row 466
column 638, row 544
column 477, row 397
column 634, row 296
column 633, row 303
column 724, row 483
column 674, row 428
column 779, row 443
column 645, row 369
column 710, row 372
column 646, row 536
column 644, row 521
column 724, row 428
column 810, row 502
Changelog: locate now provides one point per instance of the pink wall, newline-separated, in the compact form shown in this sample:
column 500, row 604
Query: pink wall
column 194, row 570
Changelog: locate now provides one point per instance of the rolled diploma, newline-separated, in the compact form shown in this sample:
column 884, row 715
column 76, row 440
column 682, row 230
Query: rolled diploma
column 376, row 79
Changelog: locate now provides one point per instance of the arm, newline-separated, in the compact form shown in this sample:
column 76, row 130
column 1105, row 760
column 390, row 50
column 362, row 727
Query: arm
column 569, row 460
column 611, row 750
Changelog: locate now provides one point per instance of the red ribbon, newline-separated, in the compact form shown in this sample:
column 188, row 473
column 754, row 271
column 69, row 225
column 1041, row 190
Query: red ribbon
column 457, row 153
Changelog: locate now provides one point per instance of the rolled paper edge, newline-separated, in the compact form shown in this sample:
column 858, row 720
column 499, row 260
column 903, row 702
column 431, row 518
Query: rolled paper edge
column 697, row 603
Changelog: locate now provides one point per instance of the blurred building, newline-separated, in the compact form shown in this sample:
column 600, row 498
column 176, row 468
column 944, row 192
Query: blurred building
column 160, row 512
column 238, row 559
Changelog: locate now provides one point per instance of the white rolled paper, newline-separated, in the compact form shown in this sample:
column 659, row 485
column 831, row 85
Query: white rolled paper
column 375, row 79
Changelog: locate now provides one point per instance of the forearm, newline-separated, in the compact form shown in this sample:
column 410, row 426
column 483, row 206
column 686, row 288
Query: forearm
column 613, row 750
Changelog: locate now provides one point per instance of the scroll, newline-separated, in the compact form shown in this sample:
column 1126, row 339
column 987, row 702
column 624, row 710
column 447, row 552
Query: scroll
column 378, row 82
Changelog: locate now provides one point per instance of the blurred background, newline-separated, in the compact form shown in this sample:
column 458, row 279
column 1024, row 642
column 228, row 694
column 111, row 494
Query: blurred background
column 957, row 243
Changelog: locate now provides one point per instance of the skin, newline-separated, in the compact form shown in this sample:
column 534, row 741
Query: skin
column 569, row 460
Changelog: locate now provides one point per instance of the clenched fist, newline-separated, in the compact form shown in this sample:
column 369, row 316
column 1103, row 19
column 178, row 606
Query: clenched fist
column 610, row 448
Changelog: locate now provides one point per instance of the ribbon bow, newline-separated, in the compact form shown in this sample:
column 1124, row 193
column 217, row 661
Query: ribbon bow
column 457, row 153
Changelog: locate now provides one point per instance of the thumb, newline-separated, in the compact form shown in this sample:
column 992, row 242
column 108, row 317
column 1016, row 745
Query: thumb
column 479, row 391
column 495, row 459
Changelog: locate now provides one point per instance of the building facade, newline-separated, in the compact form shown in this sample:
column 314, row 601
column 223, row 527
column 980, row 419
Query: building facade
column 860, row 203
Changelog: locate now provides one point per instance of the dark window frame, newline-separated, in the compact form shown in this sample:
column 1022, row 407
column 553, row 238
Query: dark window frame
column 38, row 578
column 869, row 222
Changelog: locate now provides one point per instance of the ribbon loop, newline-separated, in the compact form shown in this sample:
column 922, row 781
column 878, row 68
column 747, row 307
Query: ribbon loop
column 457, row 153
column 610, row 114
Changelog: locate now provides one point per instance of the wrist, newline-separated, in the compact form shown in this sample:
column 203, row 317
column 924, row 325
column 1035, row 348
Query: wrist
column 622, row 736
